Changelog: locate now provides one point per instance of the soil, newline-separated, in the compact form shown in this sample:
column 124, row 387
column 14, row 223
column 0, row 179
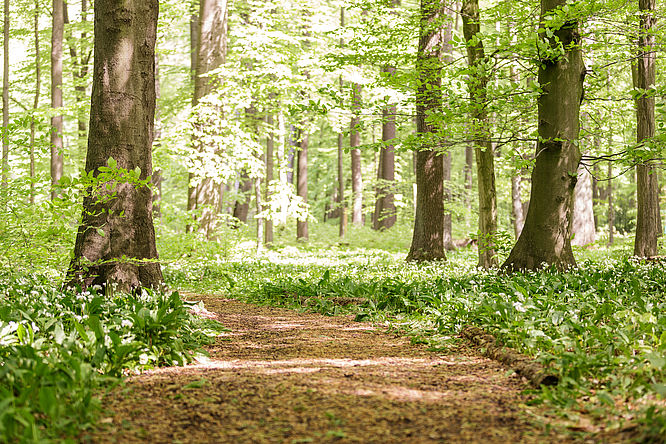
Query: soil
column 285, row 377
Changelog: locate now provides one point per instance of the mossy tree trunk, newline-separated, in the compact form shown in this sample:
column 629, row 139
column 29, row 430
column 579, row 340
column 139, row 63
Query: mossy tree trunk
column 546, row 236
column 115, row 243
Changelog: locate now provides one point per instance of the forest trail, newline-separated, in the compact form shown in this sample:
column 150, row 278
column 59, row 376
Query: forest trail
column 285, row 377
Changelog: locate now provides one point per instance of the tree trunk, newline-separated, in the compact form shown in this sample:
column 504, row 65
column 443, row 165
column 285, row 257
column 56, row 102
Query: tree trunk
column 546, row 236
column 342, row 207
column 242, row 206
column 5, row 97
column 428, row 238
column 192, row 186
column 385, row 212
column 485, row 157
column 211, row 54
column 583, row 215
column 57, row 158
column 270, row 166
column 648, row 221
column 355, row 141
column 35, row 105
column 79, row 73
column 115, row 244
column 469, row 182
column 611, row 210
column 302, row 182
column 516, row 204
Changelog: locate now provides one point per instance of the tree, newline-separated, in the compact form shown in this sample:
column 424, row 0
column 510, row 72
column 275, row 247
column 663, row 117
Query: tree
column 342, row 207
column 302, row 180
column 546, row 236
column 5, row 96
column 57, row 121
column 35, row 105
column 211, row 51
column 115, row 243
column 483, row 146
column 354, row 142
column 385, row 214
column 428, row 238
column 648, row 222
column 270, row 166
column 583, row 215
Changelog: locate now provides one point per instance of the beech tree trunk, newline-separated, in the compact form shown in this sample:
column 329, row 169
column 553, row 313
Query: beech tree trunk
column 428, row 238
column 5, row 96
column 192, row 186
column 648, row 221
column 583, row 217
column 611, row 210
column 485, row 156
column 517, row 204
column 242, row 206
column 302, row 183
column 546, row 236
column 115, row 243
column 342, row 207
column 79, row 73
column 210, row 54
column 35, row 104
column 270, row 166
column 385, row 213
column 57, row 159
column 355, row 141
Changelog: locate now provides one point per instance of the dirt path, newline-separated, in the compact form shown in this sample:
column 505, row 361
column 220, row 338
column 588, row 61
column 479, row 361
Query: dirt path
column 284, row 377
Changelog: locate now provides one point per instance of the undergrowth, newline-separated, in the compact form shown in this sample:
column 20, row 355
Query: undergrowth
column 600, row 327
column 59, row 348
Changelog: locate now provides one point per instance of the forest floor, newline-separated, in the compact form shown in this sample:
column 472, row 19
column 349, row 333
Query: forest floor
column 280, row 376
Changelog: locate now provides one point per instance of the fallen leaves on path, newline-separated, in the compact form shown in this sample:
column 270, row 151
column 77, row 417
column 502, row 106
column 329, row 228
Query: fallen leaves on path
column 284, row 377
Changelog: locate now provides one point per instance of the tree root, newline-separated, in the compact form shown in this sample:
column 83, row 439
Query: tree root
column 524, row 366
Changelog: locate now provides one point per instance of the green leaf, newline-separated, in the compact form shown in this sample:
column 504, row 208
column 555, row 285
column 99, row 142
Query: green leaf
column 195, row 384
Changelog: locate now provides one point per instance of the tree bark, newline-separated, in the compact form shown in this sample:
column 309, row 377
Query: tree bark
column 385, row 213
column 648, row 221
column 517, row 204
column 428, row 238
column 302, row 182
column 583, row 215
column 242, row 206
column 5, row 96
column 611, row 210
column 210, row 54
column 192, row 186
column 57, row 159
column 355, row 141
column 115, row 243
column 546, row 236
column 35, row 105
column 485, row 156
column 270, row 166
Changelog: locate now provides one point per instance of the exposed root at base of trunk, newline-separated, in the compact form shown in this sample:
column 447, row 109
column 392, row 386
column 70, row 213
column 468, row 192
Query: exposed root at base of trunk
column 535, row 373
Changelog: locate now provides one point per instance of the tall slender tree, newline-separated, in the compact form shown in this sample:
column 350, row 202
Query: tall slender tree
column 483, row 146
column 302, row 180
column 342, row 207
column 57, row 121
column 5, row 95
column 428, row 238
column 35, row 104
column 546, row 236
column 354, row 142
column 270, row 166
column 115, row 243
column 385, row 213
column 648, row 221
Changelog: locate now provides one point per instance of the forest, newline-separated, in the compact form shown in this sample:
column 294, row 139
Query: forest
column 332, row 220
